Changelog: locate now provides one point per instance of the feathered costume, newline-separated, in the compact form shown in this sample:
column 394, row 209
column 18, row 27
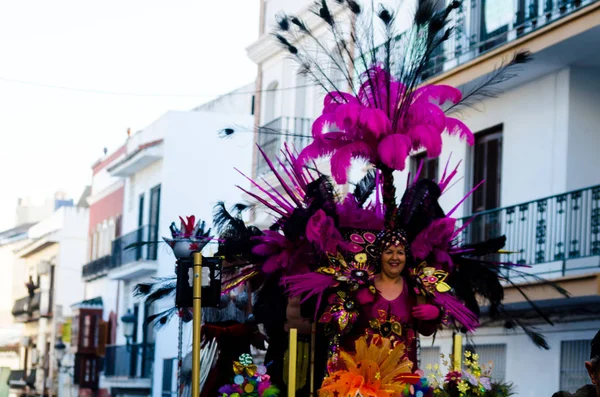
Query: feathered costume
column 325, row 248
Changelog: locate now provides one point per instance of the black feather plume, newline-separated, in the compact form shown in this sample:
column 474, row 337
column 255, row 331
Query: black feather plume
column 487, row 88
column 365, row 187
column 385, row 15
column 300, row 24
column 283, row 22
column 325, row 13
column 354, row 6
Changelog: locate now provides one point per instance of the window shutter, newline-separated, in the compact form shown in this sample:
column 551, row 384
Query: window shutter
column 102, row 338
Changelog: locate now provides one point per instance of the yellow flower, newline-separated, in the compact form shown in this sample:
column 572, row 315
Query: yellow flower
column 436, row 367
column 428, row 367
column 467, row 354
column 475, row 357
column 463, row 387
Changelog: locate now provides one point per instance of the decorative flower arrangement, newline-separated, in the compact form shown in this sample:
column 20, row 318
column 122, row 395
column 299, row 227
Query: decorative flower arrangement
column 473, row 381
column 250, row 380
column 376, row 370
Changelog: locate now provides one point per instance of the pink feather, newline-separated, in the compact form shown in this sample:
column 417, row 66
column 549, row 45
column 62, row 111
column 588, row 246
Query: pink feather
column 341, row 160
column 321, row 231
column 435, row 237
column 457, row 310
column 438, row 93
column 393, row 151
column 352, row 216
column 457, row 127
column 376, row 122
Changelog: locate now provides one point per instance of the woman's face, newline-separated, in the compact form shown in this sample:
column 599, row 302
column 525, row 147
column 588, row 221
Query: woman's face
column 393, row 259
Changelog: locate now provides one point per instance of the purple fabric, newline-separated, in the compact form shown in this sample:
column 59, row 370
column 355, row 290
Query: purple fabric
column 457, row 310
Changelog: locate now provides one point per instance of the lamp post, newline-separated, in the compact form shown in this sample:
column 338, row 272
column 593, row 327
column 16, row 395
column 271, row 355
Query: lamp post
column 60, row 349
column 128, row 320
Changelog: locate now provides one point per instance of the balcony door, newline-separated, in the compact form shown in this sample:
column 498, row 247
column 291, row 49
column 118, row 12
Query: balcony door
column 153, row 221
column 487, row 166
column 140, row 229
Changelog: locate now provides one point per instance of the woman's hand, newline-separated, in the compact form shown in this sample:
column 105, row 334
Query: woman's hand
column 426, row 312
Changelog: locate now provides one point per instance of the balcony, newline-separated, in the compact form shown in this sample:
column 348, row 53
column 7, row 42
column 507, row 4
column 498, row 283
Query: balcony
column 129, row 361
column 487, row 28
column 131, row 259
column 140, row 158
column 557, row 235
column 294, row 131
column 97, row 268
column 27, row 308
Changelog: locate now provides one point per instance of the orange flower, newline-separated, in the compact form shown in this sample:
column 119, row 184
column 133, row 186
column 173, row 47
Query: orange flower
column 376, row 370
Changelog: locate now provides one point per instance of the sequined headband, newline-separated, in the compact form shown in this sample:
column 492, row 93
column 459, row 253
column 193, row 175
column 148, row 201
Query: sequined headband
column 395, row 237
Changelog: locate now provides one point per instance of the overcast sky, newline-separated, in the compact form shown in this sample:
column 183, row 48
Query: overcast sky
column 173, row 55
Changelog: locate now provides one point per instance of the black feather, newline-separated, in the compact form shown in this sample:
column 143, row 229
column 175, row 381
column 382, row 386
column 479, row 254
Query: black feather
column 159, row 320
column 235, row 238
column 486, row 88
column 325, row 13
column 282, row 40
column 283, row 22
column 486, row 247
column 354, row 6
column 162, row 292
column 365, row 187
column 300, row 24
column 426, row 11
column 142, row 289
column 419, row 207
column 385, row 15
column 536, row 337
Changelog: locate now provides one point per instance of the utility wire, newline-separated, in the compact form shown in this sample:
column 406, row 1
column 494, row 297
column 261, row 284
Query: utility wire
column 118, row 93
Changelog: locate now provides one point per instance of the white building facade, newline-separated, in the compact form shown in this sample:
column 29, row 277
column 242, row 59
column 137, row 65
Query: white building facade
column 51, row 263
column 180, row 165
column 536, row 145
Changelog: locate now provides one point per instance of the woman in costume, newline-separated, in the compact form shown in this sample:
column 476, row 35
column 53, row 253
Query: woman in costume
column 395, row 312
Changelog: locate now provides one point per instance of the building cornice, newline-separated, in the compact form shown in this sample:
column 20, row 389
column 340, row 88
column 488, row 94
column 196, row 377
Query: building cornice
column 105, row 192
column 267, row 47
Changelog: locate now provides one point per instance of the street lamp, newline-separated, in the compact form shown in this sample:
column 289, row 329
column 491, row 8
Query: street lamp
column 60, row 349
column 128, row 320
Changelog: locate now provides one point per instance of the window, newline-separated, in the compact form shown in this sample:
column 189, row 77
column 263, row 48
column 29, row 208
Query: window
column 429, row 170
column 270, row 102
column 153, row 221
column 573, row 354
column 169, row 387
column 486, row 166
column 429, row 355
column 496, row 354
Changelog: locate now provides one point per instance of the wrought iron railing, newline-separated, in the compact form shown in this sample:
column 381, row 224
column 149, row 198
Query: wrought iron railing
column 295, row 131
column 478, row 30
column 552, row 229
column 132, row 361
column 97, row 268
column 140, row 244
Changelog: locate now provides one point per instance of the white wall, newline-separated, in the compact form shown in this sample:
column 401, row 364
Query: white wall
column 72, row 255
column 198, row 169
column 583, row 161
column 141, row 182
column 535, row 372
column 237, row 101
